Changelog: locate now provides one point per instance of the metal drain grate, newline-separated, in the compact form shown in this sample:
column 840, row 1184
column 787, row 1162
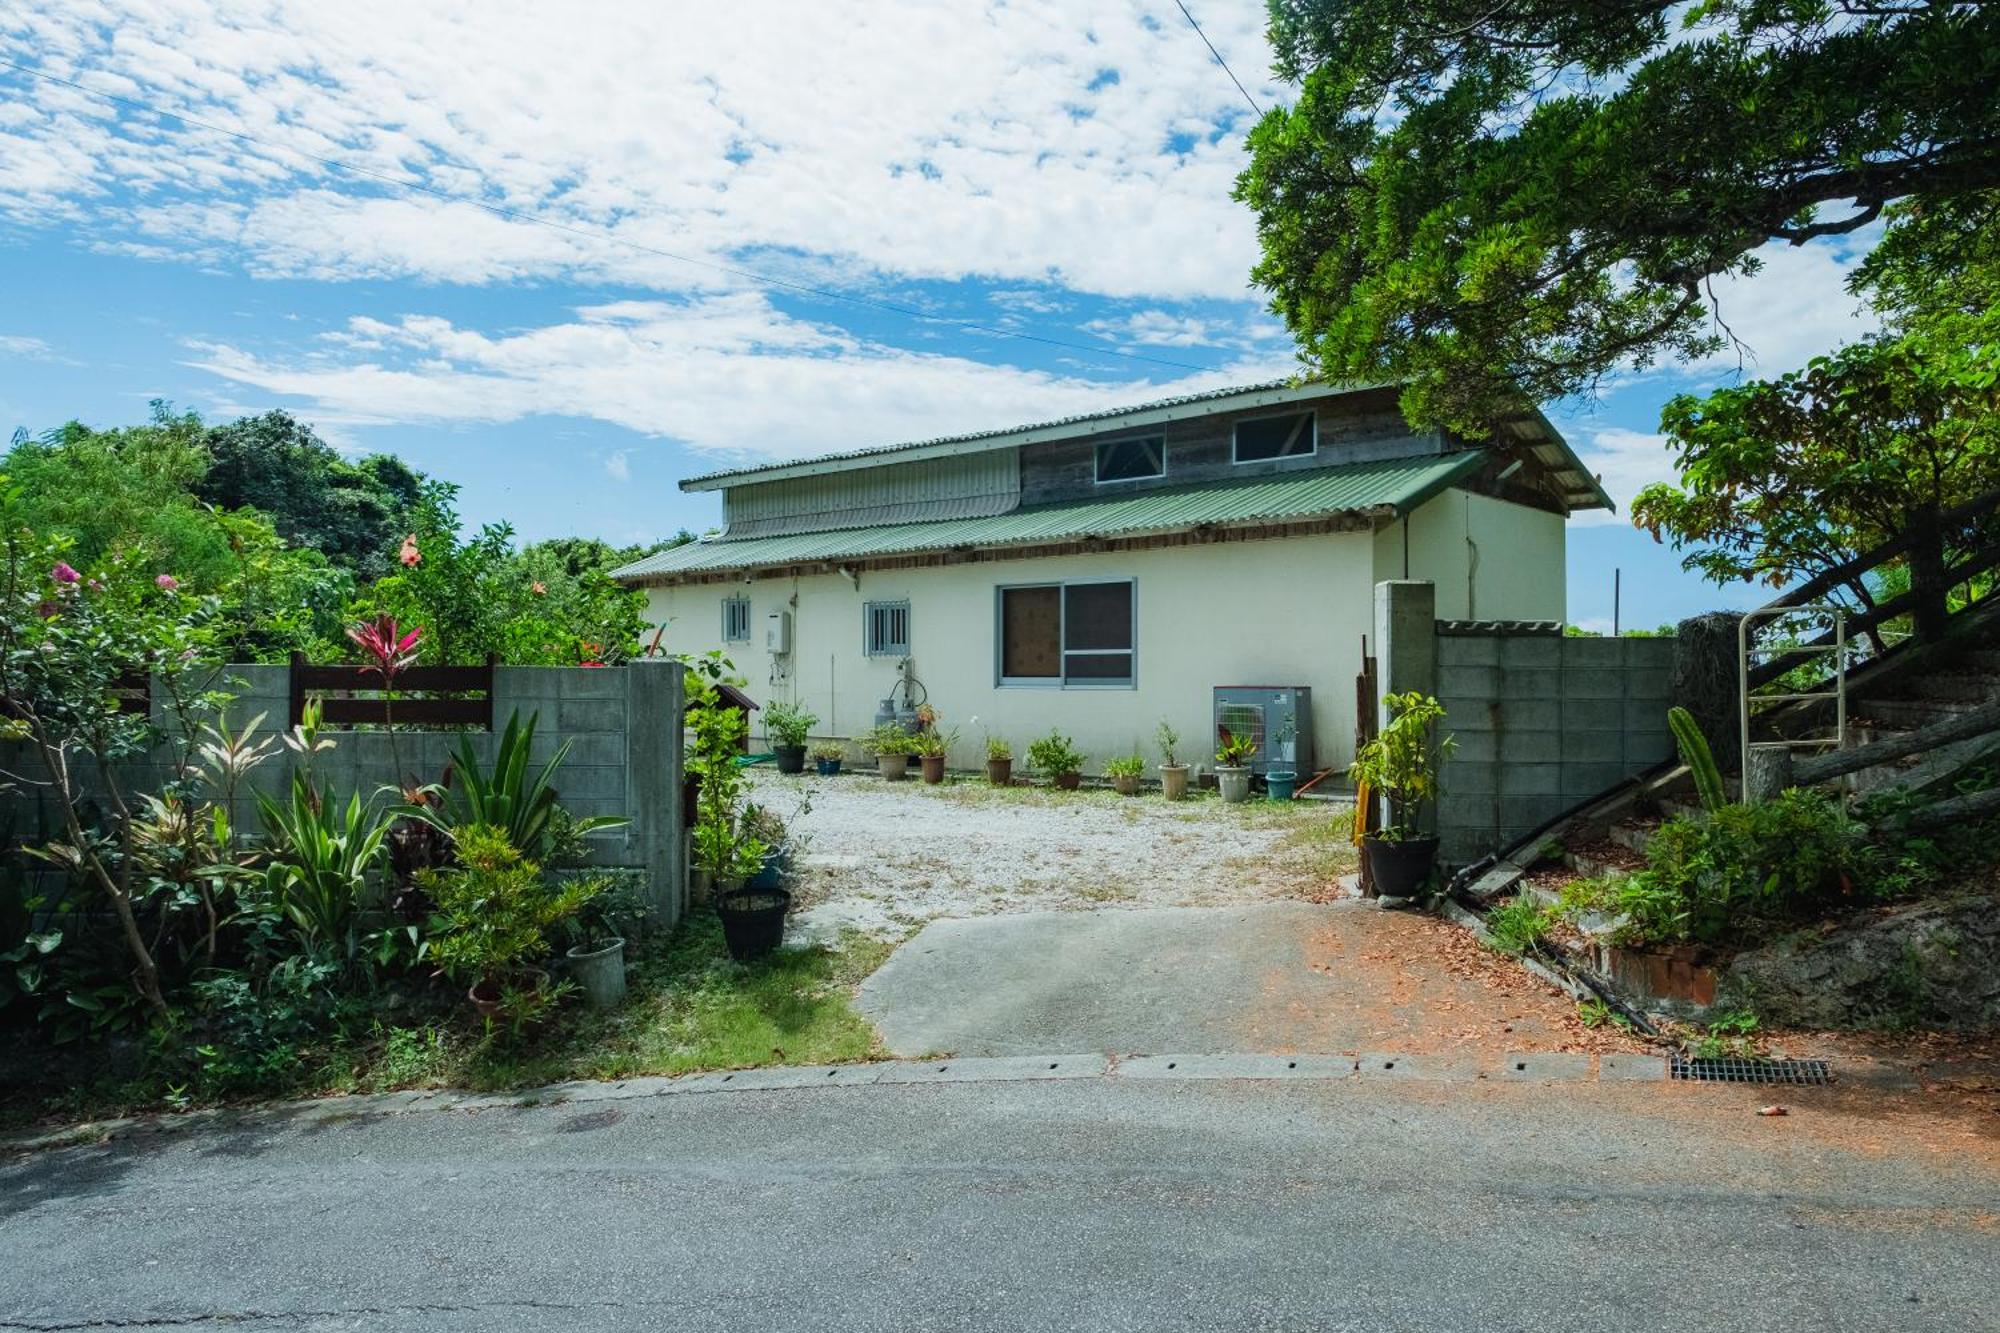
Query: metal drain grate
column 1738, row 1069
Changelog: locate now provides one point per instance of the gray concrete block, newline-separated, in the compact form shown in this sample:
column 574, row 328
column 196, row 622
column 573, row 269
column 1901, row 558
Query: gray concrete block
column 587, row 750
column 1593, row 715
column 1587, row 683
column 1468, row 682
column 1546, row 1067
column 1235, row 1066
column 1531, row 779
column 1631, row 1069
column 1393, row 1064
column 1521, row 813
column 1581, row 780
column 1471, row 779
column 573, row 716
column 1470, row 713
column 1530, row 683
column 578, row 782
column 592, row 682
column 1598, row 654
column 996, row 1069
column 1474, row 747
column 786, row 1078
column 1531, row 747
column 1593, row 747
column 1648, row 683
column 1530, row 715
column 1647, row 715
column 1644, row 749
column 1463, row 650
column 1530, row 650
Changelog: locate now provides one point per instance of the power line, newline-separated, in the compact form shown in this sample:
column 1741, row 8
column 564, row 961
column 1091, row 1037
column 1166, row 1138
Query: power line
column 1219, row 60
column 516, row 215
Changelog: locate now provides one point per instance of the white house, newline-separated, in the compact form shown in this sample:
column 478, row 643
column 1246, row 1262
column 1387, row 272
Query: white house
column 1099, row 574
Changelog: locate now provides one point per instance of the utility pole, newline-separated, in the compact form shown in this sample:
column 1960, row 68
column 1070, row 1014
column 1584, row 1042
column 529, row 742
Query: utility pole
column 1617, row 588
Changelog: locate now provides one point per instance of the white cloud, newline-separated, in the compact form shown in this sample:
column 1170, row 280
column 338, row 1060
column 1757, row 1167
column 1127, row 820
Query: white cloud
column 1156, row 328
column 727, row 374
column 17, row 344
column 618, row 467
column 1626, row 462
column 839, row 135
column 1794, row 308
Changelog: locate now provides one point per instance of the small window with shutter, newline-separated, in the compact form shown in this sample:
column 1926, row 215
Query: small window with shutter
column 736, row 620
column 885, row 629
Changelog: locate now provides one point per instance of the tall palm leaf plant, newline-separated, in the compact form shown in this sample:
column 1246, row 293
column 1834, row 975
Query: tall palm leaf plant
column 513, row 796
column 321, row 855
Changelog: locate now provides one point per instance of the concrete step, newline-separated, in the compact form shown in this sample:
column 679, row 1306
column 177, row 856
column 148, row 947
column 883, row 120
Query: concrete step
column 1631, row 834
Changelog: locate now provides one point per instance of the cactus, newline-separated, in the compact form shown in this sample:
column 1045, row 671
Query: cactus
column 1699, row 759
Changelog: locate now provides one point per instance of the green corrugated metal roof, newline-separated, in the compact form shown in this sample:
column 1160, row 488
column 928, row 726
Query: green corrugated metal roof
column 1398, row 484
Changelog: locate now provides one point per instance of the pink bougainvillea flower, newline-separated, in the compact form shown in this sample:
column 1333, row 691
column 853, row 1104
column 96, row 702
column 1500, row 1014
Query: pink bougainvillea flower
column 410, row 555
column 62, row 573
column 167, row 582
column 390, row 649
column 539, row 588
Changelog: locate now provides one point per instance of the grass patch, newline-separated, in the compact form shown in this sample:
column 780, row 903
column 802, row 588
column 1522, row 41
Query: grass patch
column 1323, row 845
column 690, row 1007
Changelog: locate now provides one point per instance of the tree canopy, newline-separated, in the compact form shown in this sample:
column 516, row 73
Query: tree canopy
column 1794, row 476
column 1493, row 202
column 354, row 514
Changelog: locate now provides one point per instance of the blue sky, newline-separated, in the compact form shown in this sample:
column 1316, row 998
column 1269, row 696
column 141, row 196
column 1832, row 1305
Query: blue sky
column 1018, row 165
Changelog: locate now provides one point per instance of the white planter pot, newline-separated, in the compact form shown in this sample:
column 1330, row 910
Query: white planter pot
column 1234, row 784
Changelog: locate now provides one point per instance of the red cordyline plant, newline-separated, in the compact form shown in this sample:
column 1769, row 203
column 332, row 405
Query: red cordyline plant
column 390, row 652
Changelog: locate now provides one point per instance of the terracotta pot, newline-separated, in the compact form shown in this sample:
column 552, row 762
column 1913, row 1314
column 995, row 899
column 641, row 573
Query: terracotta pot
column 892, row 767
column 1126, row 784
column 1000, row 772
column 1174, row 781
column 933, row 768
column 1068, row 781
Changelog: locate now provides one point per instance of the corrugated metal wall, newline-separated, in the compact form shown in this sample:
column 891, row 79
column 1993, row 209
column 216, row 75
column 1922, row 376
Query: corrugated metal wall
column 972, row 486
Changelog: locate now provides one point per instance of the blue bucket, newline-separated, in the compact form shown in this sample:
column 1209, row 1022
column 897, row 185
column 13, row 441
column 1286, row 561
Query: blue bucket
column 1280, row 784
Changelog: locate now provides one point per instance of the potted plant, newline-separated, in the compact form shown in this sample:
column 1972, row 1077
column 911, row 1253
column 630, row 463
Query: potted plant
column 1401, row 765
column 788, row 726
column 1278, row 782
column 891, row 746
column 1057, row 759
column 1173, row 773
column 495, row 909
column 596, row 956
column 932, row 746
column 767, row 828
column 1125, row 773
column 827, row 757
column 999, row 762
column 1232, row 764
column 716, row 730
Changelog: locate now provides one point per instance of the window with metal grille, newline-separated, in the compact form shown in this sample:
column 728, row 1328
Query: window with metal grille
column 736, row 620
column 1132, row 460
column 885, row 629
column 1295, row 435
column 1071, row 634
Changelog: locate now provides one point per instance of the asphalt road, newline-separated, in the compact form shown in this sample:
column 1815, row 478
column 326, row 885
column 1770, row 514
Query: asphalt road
column 1094, row 1204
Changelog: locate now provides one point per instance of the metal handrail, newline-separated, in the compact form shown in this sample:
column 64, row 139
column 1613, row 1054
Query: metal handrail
column 1744, row 697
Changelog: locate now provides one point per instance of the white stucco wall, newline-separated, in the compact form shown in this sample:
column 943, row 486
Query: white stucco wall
column 1291, row 611
column 1490, row 560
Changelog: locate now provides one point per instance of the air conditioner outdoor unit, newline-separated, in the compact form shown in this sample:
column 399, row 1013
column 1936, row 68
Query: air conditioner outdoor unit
column 1278, row 717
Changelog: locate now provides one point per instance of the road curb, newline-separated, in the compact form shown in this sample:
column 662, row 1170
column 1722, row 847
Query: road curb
column 1512, row 1067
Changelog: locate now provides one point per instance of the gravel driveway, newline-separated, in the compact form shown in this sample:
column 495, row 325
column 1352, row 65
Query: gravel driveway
column 888, row 857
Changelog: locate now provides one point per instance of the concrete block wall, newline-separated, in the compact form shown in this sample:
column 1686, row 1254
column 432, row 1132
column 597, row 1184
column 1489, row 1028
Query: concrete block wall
column 1542, row 722
column 622, row 726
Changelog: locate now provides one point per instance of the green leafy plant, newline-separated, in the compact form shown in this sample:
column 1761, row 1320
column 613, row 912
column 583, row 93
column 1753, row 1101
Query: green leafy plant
column 1700, row 760
column 1234, row 750
column 1125, row 766
column 1055, row 755
column 721, row 850
column 1403, row 763
column 997, row 748
column 1169, row 740
column 1727, row 1032
column 495, row 908
column 789, row 725
column 932, row 743
column 1518, row 927
column 321, row 856
column 1597, row 1014
column 1742, row 870
column 828, row 750
column 889, row 738
column 514, row 796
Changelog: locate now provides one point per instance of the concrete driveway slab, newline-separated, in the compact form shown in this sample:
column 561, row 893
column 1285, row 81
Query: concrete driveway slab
column 1275, row 977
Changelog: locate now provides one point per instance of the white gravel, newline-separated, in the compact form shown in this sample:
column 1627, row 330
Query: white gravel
column 887, row 857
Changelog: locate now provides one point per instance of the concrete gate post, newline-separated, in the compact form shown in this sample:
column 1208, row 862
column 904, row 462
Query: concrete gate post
column 1405, row 645
column 654, row 703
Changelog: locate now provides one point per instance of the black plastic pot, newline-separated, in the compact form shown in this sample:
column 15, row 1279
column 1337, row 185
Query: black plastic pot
column 753, row 921
column 791, row 758
column 1400, row 869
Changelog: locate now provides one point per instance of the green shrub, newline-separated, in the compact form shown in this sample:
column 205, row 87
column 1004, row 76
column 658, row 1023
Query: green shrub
column 1054, row 755
column 1125, row 766
column 1519, row 926
column 1741, row 870
column 789, row 724
column 889, row 738
column 495, row 908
